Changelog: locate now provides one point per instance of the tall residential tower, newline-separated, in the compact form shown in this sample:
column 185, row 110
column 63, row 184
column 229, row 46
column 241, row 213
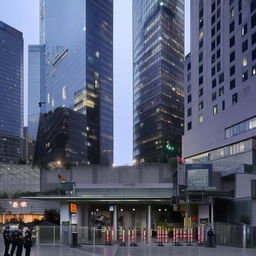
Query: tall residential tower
column 11, row 93
column 220, row 106
column 158, row 56
column 78, row 37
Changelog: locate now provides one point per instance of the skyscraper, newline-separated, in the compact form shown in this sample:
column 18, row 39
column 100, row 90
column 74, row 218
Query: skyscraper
column 11, row 93
column 220, row 91
column 158, row 56
column 36, row 87
column 78, row 38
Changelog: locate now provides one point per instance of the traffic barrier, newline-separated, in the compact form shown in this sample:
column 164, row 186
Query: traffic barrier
column 181, row 234
column 107, row 238
column 143, row 235
column 176, row 237
column 165, row 239
column 160, row 237
column 200, row 236
column 185, row 235
column 123, row 243
column 190, row 237
column 133, row 238
column 113, row 235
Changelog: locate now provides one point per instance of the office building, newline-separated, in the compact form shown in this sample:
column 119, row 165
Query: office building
column 78, row 38
column 11, row 93
column 158, row 59
column 220, row 106
column 62, row 139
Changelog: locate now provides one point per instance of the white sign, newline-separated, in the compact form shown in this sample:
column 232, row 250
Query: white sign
column 19, row 204
column 73, row 219
column 111, row 208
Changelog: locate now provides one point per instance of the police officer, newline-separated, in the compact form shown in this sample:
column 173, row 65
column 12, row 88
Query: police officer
column 17, row 238
column 28, row 242
column 7, row 240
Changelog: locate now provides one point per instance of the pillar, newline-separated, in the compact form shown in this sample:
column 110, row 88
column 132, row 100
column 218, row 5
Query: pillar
column 149, row 220
column 115, row 221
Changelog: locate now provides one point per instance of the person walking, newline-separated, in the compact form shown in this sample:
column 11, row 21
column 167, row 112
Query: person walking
column 7, row 240
column 28, row 242
column 17, row 237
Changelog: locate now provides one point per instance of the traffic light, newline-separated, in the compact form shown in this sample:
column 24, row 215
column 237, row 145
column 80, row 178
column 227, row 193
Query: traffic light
column 170, row 147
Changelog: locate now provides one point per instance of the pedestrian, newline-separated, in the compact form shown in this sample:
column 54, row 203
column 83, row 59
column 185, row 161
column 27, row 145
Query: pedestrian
column 28, row 242
column 7, row 240
column 17, row 238
column 210, row 236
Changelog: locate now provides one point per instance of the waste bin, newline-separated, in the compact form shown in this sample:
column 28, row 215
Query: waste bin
column 74, row 239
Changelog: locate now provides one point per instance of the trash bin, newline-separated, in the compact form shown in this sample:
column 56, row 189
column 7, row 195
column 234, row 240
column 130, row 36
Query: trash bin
column 74, row 239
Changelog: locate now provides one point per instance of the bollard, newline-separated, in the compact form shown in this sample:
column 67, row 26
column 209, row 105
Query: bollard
column 129, row 235
column 143, row 235
column 107, row 238
column 181, row 235
column 113, row 237
column 133, row 238
column 176, row 237
column 200, row 235
column 123, row 243
column 185, row 235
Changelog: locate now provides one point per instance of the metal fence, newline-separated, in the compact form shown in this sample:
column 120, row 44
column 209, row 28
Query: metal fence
column 236, row 235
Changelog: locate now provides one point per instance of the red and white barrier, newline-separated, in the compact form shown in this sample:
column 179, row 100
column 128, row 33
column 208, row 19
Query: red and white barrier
column 133, row 238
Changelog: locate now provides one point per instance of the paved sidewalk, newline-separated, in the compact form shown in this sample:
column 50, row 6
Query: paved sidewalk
column 61, row 250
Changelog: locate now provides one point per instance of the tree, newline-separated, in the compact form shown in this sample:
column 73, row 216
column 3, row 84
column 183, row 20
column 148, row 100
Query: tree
column 52, row 215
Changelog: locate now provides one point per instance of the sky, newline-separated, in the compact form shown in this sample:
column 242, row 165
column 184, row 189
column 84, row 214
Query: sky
column 24, row 16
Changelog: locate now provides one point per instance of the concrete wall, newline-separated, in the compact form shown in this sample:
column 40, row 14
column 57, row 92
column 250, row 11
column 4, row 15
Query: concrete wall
column 153, row 173
column 243, row 188
column 19, row 178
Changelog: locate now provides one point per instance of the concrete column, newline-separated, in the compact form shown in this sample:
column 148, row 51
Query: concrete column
column 64, row 213
column 149, row 220
column 115, row 220
column 212, row 215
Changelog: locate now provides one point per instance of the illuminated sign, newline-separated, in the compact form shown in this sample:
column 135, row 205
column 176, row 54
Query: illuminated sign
column 73, row 208
column 19, row 204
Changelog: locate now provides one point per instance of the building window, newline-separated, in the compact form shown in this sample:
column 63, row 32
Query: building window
column 189, row 111
column 213, row 19
column 223, row 105
column 244, row 30
column 214, row 83
column 189, row 66
column 64, row 93
column 218, row 67
column 215, row 109
column 200, row 69
column 200, row 119
column 213, row 31
column 221, row 91
column 240, row 18
column 201, row 43
column 189, row 125
column 189, row 98
column 244, row 76
column 201, row 105
column 218, row 13
column 201, row 35
column 218, row 53
column 189, row 89
column 232, row 12
column 232, row 70
column 221, row 78
column 254, row 54
column 200, row 56
column 213, row 6
column 218, row 39
column 232, row 56
column 253, row 20
column 213, row 58
column 213, row 45
column 253, row 38
column 244, row 46
column 201, row 80
column 232, row 84
column 218, row 26
column 254, row 70
column 234, row 98
column 201, row 92
column 232, row 41
column 231, row 26
column 245, row 61
column 240, row 5
column 213, row 71
column 253, row 5
column 214, row 96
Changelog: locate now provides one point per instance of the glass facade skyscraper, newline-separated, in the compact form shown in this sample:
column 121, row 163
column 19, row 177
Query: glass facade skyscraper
column 78, row 38
column 36, row 87
column 11, row 93
column 158, row 57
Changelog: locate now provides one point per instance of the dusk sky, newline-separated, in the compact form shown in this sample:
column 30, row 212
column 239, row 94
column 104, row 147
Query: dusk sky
column 24, row 16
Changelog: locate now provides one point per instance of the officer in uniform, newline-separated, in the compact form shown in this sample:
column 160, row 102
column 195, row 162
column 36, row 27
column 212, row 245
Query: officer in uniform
column 17, row 238
column 7, row 240
column 28, row 242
